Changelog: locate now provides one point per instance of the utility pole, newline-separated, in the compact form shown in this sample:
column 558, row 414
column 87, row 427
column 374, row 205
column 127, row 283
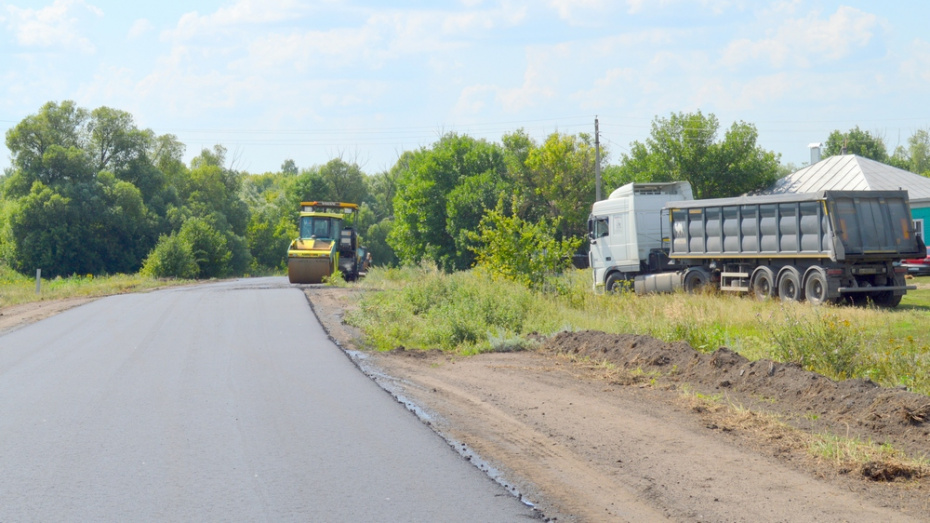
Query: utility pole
column 597, row 162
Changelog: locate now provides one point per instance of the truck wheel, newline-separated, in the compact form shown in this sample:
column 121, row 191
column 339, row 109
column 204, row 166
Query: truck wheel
column 762, row 283
column 815, row 285
column 695, row 280
column 616, row 283
column 789, row 285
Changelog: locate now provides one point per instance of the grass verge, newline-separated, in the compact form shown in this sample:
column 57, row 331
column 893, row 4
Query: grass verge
column 16, row 289
column 470, row 312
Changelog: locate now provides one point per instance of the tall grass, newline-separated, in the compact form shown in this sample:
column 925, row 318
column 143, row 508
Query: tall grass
column 468, row 312
column 16, row 288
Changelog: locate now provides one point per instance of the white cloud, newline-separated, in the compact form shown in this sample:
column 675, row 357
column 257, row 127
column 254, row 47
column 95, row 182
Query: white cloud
column 340, row 48
column 539, row 80
column 51, row 26
column 474, row 100
column 242, row 13
column 611, row 90
column 140, row 28
column 379, row 38
column 807, row 41
column 736, row 96
column 568, row 9
column 917, row 64
column 714, row 6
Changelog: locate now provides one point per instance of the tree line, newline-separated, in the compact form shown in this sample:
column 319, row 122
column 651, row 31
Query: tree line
column 88, row 192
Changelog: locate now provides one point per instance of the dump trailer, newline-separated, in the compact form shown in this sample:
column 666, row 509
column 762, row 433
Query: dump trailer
column 327, row 240
column 827, row 246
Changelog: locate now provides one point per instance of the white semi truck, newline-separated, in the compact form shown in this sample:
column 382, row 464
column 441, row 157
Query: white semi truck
column 824, row 246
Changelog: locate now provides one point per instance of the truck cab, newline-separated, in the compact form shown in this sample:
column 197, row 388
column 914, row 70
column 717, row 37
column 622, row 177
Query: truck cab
column 626, row 227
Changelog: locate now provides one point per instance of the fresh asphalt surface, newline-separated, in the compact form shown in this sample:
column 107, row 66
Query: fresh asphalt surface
column 218, row 402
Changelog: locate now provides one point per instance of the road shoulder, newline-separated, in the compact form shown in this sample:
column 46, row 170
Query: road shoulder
column 584, row 441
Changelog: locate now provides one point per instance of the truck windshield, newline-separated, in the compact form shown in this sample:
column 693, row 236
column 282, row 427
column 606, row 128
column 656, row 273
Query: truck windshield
column 320, row 227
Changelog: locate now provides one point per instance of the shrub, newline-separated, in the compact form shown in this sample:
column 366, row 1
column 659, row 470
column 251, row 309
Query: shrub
column 209, row 247
column 524, row 252
column 172, row 257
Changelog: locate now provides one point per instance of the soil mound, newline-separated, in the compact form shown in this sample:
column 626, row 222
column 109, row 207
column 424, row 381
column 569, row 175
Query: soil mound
column 807, row 400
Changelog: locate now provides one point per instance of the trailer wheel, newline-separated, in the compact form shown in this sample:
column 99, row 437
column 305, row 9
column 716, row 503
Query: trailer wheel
column 889, row 299
column 695, row 280
column 762, row 283
column 789, row 285
column 815, row 286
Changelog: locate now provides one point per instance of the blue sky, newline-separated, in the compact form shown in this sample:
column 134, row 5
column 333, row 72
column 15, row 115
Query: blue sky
column 313, row 80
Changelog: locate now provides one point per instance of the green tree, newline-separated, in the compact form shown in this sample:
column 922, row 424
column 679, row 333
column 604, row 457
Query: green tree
column 684, row 147
column 345, row 181
column 42, row 233
column 856, row 141
column 743, row 165
column 213, row 192
column 309, row 185
column 916, row 156
column 421, row 228
column 381, row 190
column 55, row 125
column 466, row 205
column 269, row 233
column 289, row 167
column 95, row 167
column 559, row 182
column 376, row 240
column 114, row 141
column 124, row 228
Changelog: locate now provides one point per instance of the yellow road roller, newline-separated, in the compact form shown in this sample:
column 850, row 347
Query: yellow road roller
column 328, row 240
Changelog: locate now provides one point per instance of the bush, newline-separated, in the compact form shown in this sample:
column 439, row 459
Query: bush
column 172, row 257
column 521, row 251
column 209, row 247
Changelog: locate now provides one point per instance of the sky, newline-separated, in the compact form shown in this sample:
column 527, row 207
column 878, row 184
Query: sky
column 272, row 80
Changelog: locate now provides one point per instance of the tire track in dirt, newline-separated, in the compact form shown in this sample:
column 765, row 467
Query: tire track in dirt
column 585, row 451
column 494, row 433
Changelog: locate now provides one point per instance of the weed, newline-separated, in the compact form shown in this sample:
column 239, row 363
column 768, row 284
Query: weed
column 823, row 342
column 875, row 461
column 336, row 279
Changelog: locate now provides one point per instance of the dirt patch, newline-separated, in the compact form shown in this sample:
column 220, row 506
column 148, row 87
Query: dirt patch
column 595, row 427
column 15, row 316
column 851, row 408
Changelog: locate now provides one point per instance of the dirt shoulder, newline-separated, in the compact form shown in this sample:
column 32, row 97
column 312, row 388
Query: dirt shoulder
column 597, row 427
column 15, row 316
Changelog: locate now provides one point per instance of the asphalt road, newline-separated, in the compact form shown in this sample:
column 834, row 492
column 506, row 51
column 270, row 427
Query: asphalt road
column 219, row 402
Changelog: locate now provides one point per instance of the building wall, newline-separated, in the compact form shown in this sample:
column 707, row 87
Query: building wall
column 921, row 214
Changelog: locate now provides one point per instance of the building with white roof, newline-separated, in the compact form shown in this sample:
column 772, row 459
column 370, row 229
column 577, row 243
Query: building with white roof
column 850, row 172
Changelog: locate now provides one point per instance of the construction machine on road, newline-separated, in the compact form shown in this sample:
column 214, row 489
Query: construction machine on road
column 327, row 241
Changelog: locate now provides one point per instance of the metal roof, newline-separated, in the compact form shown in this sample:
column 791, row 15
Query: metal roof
column 850, row 172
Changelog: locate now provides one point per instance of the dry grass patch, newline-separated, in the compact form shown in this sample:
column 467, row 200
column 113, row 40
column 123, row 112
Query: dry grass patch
column 843, row 454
